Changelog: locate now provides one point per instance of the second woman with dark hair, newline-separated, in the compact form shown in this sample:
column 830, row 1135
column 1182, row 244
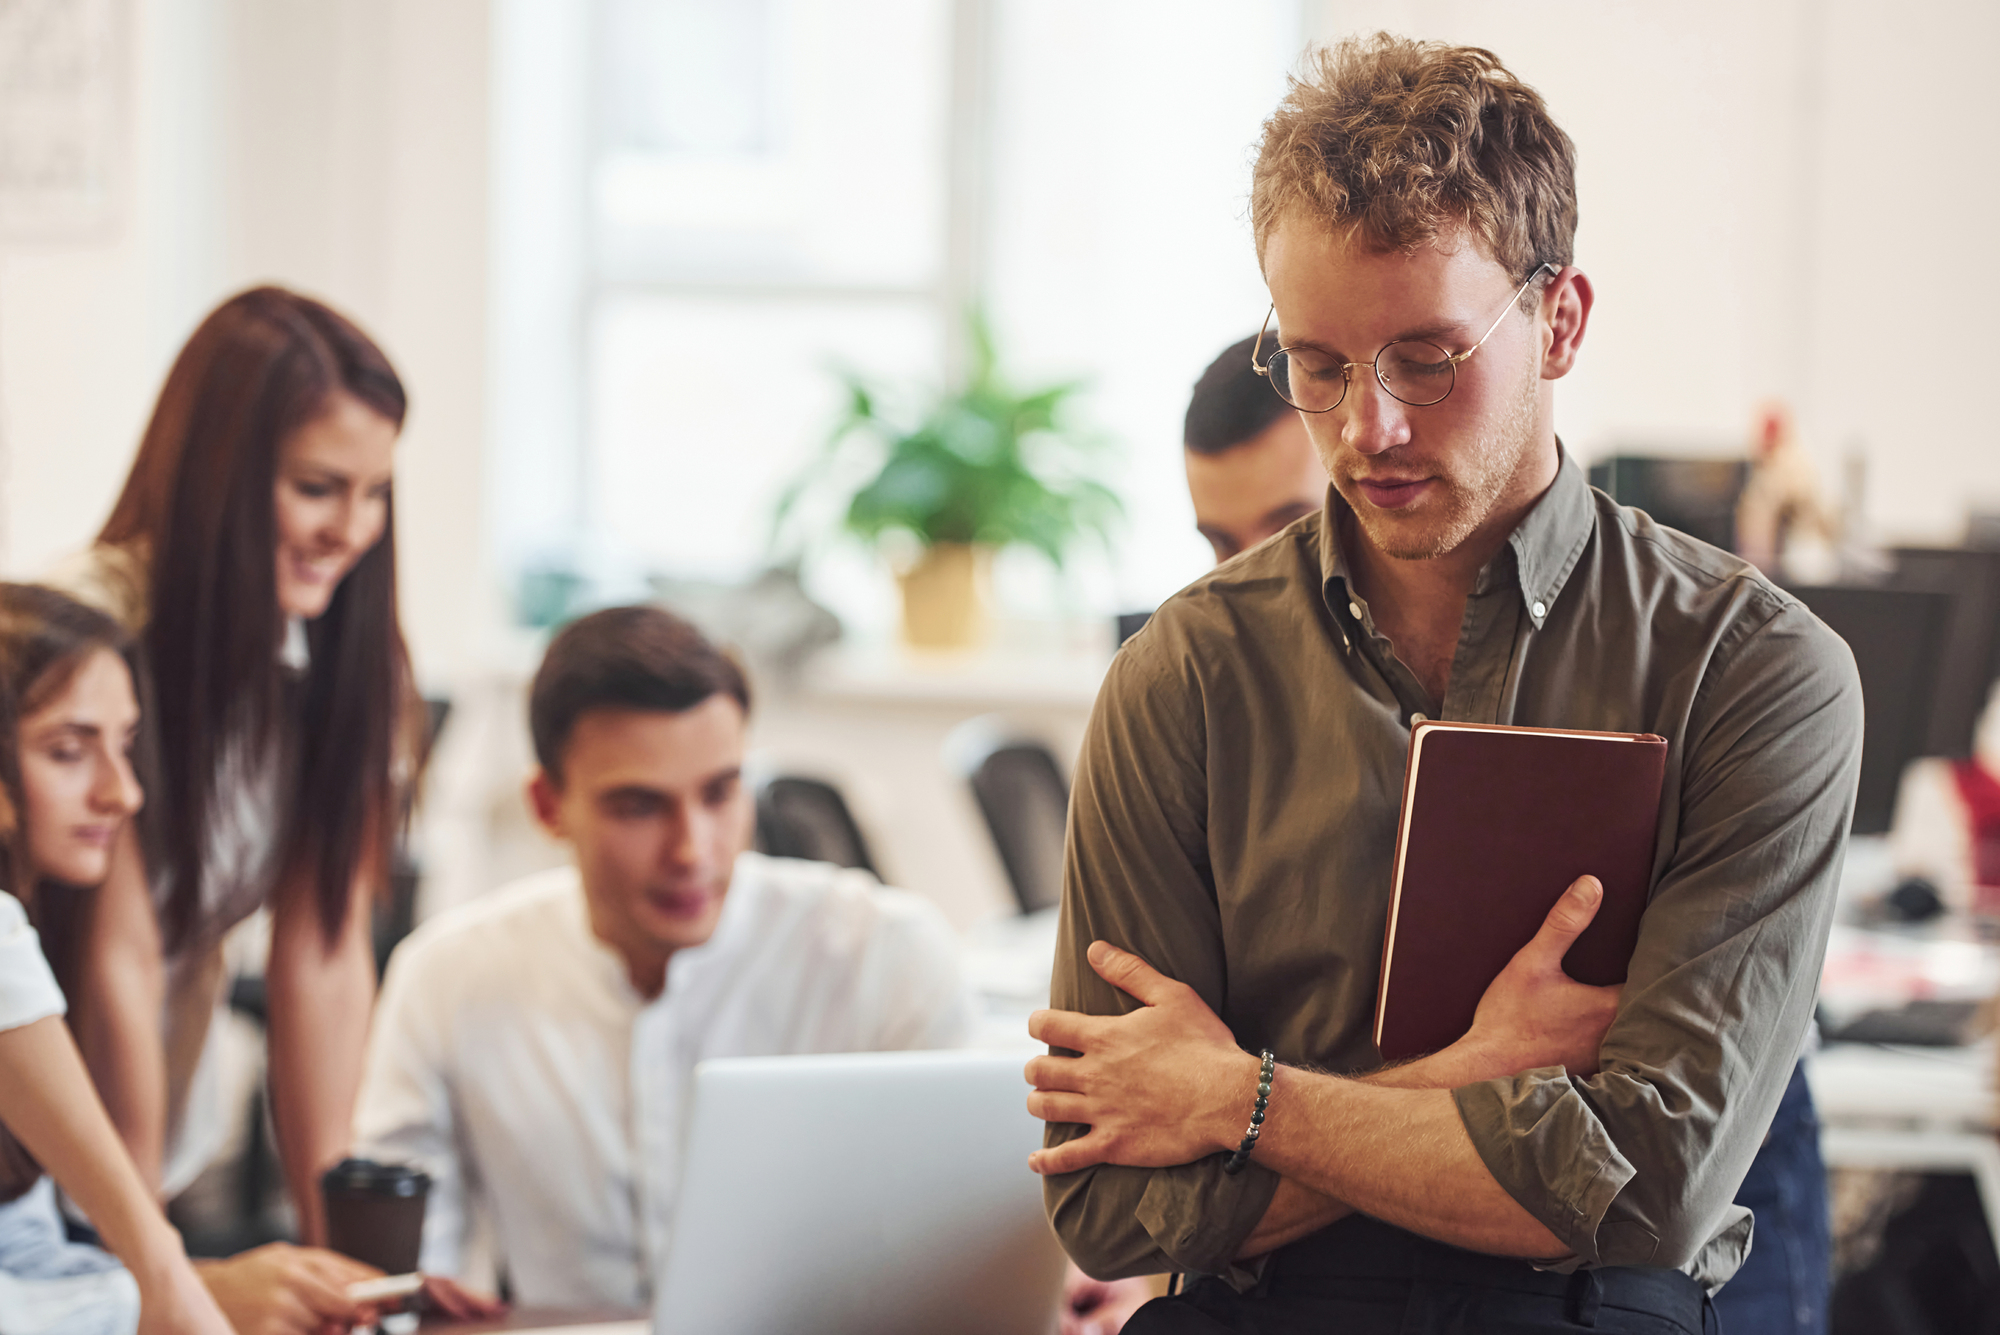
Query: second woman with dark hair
column 67, row 787
column 252, row 555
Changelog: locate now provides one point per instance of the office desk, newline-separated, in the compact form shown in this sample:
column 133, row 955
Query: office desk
column 1912, row 1109
column 550, row 1321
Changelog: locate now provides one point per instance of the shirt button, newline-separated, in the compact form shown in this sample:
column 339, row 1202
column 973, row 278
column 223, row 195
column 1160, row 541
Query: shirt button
column 1540, row 609
column 1420, row 717
column 1354, row 610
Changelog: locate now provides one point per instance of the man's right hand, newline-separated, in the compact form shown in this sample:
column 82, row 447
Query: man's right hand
column 1533, row 1014
column 279, row 1289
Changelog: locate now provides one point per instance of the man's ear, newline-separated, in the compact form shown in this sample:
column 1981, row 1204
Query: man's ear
column 1566, row 307
column 545, row 801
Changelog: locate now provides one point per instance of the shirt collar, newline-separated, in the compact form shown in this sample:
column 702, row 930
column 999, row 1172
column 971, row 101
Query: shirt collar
column 735, row 930
column 1546, row 544
column 1549, row 540
column 736, row 921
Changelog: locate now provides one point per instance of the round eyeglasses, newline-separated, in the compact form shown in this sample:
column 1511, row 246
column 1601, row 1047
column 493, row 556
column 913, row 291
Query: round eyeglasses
column 1413, row 370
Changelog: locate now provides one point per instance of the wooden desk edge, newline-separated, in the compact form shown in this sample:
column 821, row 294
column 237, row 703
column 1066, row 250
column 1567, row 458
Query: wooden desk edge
column 534, row 1318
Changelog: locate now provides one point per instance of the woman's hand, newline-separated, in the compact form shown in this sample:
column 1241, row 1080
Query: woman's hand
column 1163, row 1085
column 279, row 1289
column 173, row 1301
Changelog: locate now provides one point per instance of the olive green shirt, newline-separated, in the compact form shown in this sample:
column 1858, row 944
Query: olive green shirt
column 1233, row 823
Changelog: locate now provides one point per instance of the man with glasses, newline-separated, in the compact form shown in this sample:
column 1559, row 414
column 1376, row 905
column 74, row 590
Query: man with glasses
column 1572, row 1161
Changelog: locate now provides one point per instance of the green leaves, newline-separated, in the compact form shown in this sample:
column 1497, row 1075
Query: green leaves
column 986, row 465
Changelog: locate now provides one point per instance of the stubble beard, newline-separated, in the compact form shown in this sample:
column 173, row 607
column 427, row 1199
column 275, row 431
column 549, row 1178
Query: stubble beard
column 1467, row 493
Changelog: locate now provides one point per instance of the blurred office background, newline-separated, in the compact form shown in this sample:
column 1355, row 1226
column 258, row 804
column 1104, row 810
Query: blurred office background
column 617, row 245
column 622, row 250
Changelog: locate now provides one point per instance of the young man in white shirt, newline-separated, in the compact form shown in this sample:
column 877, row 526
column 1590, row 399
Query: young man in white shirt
column 533, row 1051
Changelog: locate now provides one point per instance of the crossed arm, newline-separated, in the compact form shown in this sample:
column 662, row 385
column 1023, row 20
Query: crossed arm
column 1167, row 1084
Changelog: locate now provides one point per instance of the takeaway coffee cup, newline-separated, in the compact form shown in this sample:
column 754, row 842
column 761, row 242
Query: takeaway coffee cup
column 375, row 1212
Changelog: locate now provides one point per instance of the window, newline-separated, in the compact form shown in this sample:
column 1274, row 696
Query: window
column 704, row 206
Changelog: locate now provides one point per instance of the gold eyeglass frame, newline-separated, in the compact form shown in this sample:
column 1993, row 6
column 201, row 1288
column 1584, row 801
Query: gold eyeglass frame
column 1375, row 364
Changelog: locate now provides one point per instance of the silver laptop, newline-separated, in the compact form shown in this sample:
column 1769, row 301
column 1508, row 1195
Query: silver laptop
column 870, row 1192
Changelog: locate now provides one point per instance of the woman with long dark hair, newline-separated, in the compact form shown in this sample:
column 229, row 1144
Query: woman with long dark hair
column 67, row 788
column 252, row 555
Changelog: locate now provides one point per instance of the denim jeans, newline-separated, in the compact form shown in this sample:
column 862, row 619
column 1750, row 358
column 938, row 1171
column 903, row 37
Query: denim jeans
column 52, row 1286
column 1782, row 1289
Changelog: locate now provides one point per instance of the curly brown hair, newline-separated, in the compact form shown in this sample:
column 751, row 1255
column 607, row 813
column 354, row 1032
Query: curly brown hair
column 1407, row 141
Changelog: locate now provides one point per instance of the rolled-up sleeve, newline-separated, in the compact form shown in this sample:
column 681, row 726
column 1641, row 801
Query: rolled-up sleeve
column 1137, row 875
column 1639, row 1164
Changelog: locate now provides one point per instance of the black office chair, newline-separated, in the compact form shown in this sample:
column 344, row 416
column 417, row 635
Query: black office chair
column 1696, row 496
column 1897, row 636
column 1969, row 656
column 1024, row 797
column 806, row 818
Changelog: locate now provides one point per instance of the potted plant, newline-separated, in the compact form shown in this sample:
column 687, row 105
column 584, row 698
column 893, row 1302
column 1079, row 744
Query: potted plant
column 984, row 467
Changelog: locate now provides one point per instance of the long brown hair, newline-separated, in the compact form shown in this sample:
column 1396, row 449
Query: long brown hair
column 199, row 509
column 45, row 637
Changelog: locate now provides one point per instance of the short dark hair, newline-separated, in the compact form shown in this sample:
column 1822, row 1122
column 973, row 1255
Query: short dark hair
column 641, row 657
column 1231, row 403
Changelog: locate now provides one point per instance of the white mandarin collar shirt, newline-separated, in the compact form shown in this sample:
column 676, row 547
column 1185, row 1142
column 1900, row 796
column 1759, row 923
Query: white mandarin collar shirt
column 512, row 1059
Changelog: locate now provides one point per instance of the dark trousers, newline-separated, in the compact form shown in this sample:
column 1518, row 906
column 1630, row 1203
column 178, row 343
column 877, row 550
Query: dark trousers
column 1362, row 1277
column 1782, row 1288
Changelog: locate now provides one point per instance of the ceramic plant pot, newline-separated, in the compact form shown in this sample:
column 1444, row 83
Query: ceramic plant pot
column 944, row 597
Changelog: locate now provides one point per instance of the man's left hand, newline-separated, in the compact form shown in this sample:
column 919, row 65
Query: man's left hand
column 459, row 1302
column 1161, row 1086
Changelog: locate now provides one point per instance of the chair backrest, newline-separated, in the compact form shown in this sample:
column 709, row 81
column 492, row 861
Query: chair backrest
column 1022, row 793
column 806, row 818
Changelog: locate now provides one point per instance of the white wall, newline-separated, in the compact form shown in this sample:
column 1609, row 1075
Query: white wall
column 1778, row 198
column 336, row 147
column 1787, row 199
column 86, row 328
column 1119, row 248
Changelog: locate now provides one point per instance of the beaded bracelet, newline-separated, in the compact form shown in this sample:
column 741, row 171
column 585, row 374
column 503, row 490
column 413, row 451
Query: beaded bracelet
column 1234, row 1164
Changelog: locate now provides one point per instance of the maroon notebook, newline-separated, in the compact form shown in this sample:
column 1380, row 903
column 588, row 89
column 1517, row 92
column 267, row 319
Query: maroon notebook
column 1497, row 821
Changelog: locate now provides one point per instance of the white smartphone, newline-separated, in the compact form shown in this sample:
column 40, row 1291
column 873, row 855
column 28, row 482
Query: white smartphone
column 385, row 1288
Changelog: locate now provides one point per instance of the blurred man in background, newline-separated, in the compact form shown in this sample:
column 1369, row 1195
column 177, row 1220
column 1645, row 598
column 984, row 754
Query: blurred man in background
column 1251, row 468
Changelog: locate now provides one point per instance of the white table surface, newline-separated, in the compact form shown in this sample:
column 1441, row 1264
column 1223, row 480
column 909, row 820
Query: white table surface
column 1943, row 1088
